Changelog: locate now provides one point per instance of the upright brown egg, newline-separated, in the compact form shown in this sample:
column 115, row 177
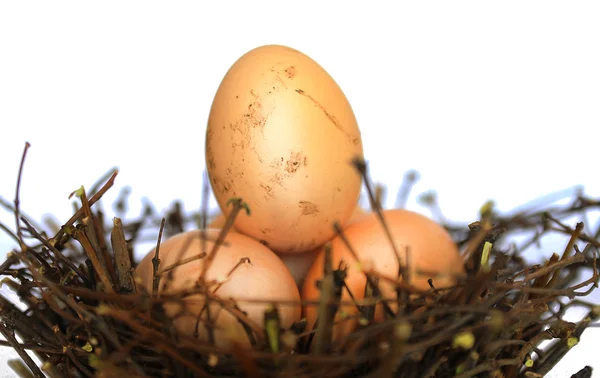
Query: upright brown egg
column 281, row 135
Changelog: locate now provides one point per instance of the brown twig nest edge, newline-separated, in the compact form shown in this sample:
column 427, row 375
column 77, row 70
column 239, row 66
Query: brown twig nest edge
column 82, row 316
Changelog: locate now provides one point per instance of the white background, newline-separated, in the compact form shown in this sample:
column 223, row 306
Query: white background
column 486, row 100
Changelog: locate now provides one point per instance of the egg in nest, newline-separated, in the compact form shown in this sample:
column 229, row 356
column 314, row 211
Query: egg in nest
column 242, row 269
column 281, row 135
column 432, row 253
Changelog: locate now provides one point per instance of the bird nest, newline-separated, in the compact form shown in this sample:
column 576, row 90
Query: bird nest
column 81, row 315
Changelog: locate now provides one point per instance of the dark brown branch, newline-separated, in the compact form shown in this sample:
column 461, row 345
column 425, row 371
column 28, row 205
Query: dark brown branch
column 99, row 267
column 79, row 213
column 17, row 201
column 21, row 352
column 156, row 259
column 122, row 258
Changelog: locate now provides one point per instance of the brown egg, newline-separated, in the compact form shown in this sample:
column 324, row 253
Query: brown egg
column 299, row 263
column 431, row 249
column 263, row 277
column 281, row 135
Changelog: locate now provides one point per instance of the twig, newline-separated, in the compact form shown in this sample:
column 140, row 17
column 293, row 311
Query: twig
column 156, row 259
column 99, row 324
column 361, row 167
column 122, row 259
column 324, row 330
column 238, row 205
column 54, row 250
column 377, row 292
column 557, row 351
column 126, row 317
column 586, row 372
column 475, row 242
column 181, row 262
column 17, row 201
column 106, row 176
column 79, row 213
column 97, row 222
column 11, row 259
column 21, row 352
column 574, row 236
column 27, row 330
column 99, row 268
column 19, row 368
column 9, row 232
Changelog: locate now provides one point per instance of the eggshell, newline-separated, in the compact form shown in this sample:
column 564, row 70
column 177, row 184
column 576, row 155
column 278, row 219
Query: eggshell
column 299, row 263
column 265, row 277
column 431, row 249
column 281, row 135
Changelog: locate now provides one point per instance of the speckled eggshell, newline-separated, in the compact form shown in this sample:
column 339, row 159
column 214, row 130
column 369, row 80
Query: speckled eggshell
column 281, row 135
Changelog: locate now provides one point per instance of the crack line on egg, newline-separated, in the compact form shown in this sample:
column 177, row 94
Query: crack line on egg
column 330, row 116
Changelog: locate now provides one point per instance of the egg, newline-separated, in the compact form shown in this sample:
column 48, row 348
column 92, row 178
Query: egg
column 262, row 276
column 297, row 263
column 281, row 135
column 431, row 250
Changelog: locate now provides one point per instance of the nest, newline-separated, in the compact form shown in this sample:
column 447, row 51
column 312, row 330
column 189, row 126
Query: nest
column 82, row 316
